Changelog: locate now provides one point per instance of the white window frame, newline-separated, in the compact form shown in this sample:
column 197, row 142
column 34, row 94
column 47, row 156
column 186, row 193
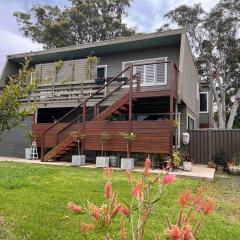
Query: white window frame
column 200, row 102
column 144, row 75
column 189, row 115
column 106, row 69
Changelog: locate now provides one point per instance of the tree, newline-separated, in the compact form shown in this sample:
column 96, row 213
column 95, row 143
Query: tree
column 83, row 21
column 214, row 40
column 12, row 111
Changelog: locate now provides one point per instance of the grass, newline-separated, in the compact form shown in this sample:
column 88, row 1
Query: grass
column 33, row 201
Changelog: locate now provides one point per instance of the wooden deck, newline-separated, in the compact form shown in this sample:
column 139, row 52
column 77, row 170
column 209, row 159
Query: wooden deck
column 151, row 136
column 154, row 136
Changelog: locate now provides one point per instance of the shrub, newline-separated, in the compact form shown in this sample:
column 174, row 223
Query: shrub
column 132, row 217
column 220, row 158
column 177, row 160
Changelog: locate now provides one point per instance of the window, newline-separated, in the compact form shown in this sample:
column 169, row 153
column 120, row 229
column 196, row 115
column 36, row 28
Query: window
column 102, row 71
column 153, row 74
column 190, row 122
column 204, row 102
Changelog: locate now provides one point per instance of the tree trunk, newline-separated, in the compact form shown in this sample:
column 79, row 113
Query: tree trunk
column 221, row 124
column 233, row 111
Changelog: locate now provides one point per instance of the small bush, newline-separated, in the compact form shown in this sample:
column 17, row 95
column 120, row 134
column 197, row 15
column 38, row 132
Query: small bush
column 220, row 158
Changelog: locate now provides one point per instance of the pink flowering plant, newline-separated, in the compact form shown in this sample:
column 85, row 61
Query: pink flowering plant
column 193, row 211
column 133, row 216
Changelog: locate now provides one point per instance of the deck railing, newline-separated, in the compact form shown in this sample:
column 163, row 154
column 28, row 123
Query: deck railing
column 83, row 113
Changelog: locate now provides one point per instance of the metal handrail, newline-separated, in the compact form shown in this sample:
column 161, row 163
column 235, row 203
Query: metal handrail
column 85, row 101
column 99, row 90
column 92, row 107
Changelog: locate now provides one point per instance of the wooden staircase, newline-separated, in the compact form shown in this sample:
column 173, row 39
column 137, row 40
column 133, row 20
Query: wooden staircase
column 90, row 119
column 64, row 147
column 121, row 106
column 70, row 142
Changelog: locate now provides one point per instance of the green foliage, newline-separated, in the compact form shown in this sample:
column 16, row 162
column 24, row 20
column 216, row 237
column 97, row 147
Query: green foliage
column 58, row 65
column 80, row 22
column 128, row 136
column 220, row 158
column 114, row 117
column 92, row 62
column 31, row 137
column 177, row 160
column 104, row 137
column 11, row 110
column 93, row 59
column 214, row 40
column 80, row 136
column 175, row 123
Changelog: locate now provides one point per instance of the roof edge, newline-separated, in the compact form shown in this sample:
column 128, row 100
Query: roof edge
column 101, row 43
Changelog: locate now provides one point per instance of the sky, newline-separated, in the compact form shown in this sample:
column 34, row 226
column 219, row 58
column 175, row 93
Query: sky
column 146, row 15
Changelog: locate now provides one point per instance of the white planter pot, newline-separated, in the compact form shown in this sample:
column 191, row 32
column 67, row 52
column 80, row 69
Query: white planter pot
column 78, row 160
column 187, row 166
column 235, row 170
column 102, row 162
column 27, row 153
column 127, row 163
column 113, row 161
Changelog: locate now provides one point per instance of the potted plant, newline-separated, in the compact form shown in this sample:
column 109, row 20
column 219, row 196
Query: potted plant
column 79, row 159
column 103, row 161
column 187, row 163
column 212, row 165
column 113, row 160
column 220, row 159
column 176, row 159
column 128, row 137
column 31, row 138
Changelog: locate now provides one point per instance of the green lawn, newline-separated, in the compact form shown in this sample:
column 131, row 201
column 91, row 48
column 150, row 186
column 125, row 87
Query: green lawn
column 33, row 201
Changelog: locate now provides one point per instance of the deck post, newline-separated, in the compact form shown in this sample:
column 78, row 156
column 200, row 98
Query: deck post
column 171, row 110
column 42, row 146
column 84, row 125
column 130, row 105
column 84, row 116
column 130, row 98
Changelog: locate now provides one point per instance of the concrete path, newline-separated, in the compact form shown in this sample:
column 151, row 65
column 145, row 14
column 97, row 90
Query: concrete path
column 199, row 171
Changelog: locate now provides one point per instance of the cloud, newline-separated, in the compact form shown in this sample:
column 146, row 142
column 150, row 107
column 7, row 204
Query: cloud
column 12, row 43
column 148, row 15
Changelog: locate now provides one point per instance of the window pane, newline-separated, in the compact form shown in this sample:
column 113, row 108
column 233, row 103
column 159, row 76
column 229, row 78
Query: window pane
column 160, row 72
column 203, row 102
column 101, row 72
column 149, row 74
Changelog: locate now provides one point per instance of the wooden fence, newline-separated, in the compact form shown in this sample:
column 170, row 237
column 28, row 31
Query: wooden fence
column 205, row 143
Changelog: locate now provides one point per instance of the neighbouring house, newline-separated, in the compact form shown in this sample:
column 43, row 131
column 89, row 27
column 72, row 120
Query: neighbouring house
column 141, row 84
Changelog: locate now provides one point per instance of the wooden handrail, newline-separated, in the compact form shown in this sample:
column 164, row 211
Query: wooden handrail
column 98, row 91
column 104, row 86
column 90, row 97
column 93, row 107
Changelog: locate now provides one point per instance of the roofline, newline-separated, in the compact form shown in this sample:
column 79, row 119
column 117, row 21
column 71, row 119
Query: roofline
column 99, row 44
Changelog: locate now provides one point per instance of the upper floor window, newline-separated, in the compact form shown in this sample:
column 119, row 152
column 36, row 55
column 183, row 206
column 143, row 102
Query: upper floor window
column 102, row 71
column 151, row 74
column 204, row 102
